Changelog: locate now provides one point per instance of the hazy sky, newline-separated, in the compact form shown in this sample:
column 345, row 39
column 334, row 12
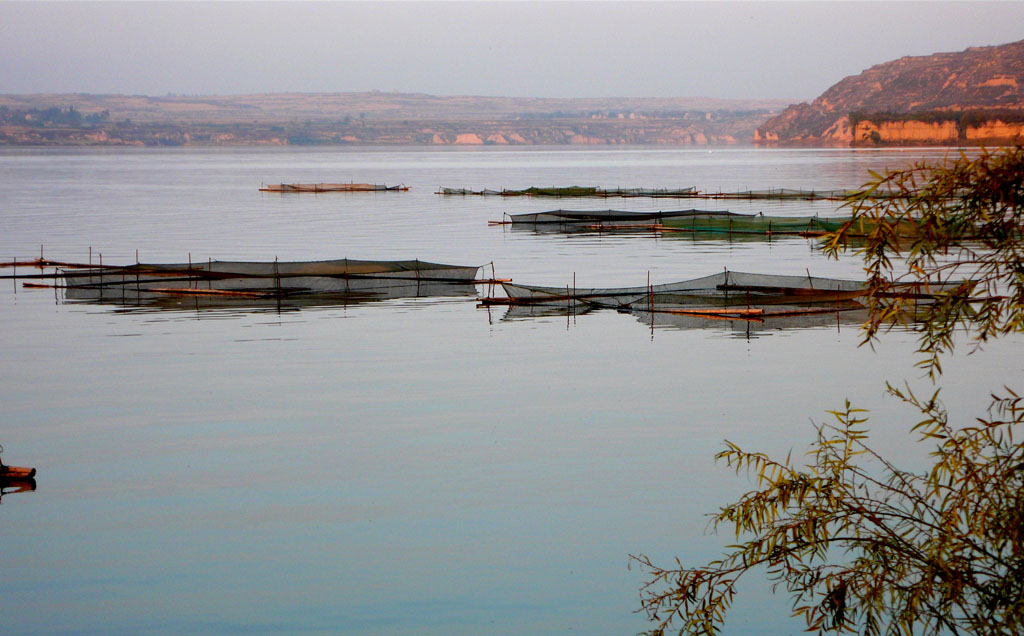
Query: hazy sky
column 541, row 49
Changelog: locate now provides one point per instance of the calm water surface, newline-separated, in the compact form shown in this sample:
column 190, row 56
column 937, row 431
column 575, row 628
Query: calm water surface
column 408, row 466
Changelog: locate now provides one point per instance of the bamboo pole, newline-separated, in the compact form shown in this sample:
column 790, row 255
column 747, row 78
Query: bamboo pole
column 277, row 277
column 42, row 264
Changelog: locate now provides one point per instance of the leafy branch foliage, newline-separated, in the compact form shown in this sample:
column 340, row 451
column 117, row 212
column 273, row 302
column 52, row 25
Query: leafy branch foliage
column 859, row 544
column 894, row 553
column 964, row 247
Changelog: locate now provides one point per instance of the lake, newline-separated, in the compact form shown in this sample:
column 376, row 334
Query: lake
column 408, row 465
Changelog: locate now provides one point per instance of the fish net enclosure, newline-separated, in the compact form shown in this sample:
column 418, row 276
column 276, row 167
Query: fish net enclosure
column 719, row 284
column 770, row 194
column 610, row 216
column 341, row 267
column 272, row 269
column 722, row 295
column 342, row 279
column 576, row 191
column 274, row 277
column 779, row 194
column 796, row 194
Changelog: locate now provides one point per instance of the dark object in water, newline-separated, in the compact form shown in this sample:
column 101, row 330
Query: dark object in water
column 332, row 187
column 605, row 218
column 16, row 479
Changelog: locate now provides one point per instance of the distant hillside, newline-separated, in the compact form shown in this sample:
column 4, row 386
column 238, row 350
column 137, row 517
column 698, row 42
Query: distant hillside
column 974, row 96
column 280, row 107
column 374, row 118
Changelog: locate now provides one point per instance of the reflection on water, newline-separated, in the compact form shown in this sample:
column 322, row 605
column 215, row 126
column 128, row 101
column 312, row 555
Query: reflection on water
column 10, row 486
column 132, row 298
column 15, row 479
column 130, row 301
column 848, row 316
column 754, row 326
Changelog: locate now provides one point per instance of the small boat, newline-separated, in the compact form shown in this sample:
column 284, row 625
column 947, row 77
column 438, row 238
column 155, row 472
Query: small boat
column 14, row 479
column 332, row 187
column 16, row 473
column 14, row 476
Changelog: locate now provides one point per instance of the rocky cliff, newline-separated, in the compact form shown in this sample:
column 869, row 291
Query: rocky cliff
column 915, row 100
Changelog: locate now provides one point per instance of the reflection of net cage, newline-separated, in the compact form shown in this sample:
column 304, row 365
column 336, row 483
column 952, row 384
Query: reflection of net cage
column 15, row 478
column 754, row 224
column 751, row 325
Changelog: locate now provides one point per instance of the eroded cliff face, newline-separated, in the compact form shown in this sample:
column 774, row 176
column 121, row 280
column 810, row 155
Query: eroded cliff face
column 997, row 132
column 915, row 133
column 982, row 78
column 906, row 132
